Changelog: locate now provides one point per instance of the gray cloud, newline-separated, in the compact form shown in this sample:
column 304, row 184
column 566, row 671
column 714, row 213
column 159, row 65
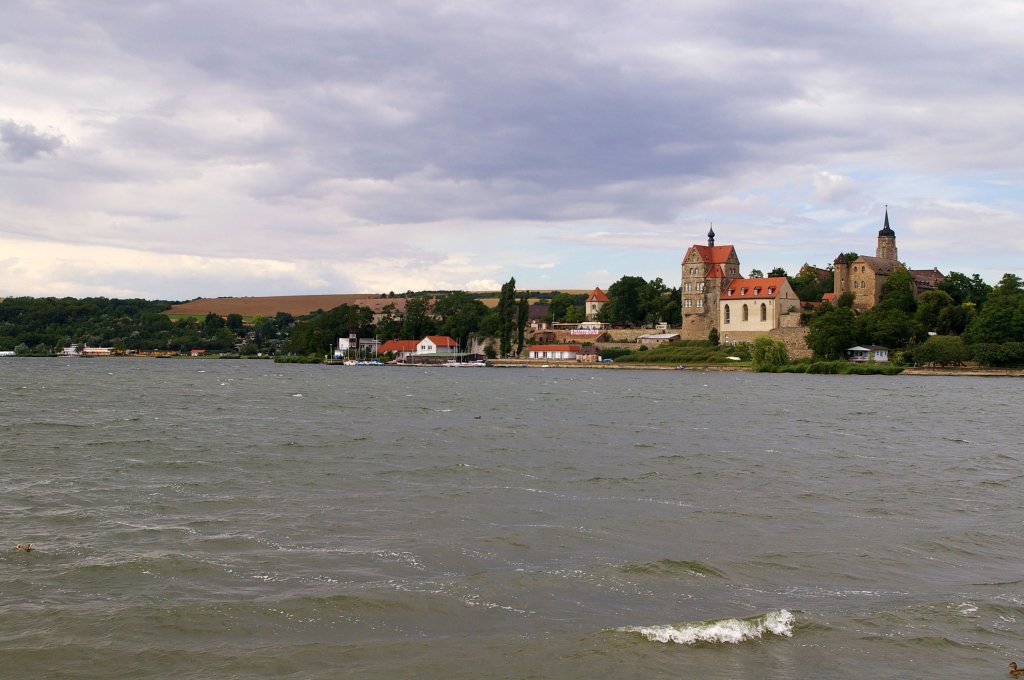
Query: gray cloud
column 23, row 142
column 268, row 130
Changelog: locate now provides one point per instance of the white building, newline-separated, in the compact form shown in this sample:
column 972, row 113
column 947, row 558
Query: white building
column 437, row 344
column 868, row 353
column 554, row 352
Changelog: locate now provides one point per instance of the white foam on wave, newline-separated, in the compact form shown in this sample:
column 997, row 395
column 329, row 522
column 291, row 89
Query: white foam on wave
column 732, row 631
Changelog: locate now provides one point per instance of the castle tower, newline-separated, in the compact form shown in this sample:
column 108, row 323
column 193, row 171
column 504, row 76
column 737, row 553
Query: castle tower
column 841, row 274
column 886, row 249
column 707, row 271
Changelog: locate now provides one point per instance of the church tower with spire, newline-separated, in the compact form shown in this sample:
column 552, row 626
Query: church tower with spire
column 886, row 249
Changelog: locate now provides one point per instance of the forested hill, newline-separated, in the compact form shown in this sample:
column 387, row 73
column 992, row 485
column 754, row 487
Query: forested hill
column 44, row 323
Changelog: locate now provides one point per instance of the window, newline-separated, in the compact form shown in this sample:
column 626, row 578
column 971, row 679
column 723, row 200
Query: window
column 687, row 302
column 700, row 285
column 727, row 314
column 700, row 302
column 730, row 292
column 771, row 290
column 688, row 286
column 757, row 291
column 745, row 314
column 764, row 312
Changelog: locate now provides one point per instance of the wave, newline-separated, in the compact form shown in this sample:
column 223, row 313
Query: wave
column 669, row 567
column 732, row 631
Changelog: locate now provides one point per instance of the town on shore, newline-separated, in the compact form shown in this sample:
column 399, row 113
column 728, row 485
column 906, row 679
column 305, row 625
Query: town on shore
column 868, row 310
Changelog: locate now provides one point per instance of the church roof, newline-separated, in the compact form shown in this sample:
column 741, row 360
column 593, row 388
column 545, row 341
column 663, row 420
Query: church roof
column 879, row 265
column 755, row 289
column 597, row 296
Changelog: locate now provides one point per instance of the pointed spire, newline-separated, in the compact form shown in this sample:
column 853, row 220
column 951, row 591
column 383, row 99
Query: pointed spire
column 711, row 235
column 886, row 229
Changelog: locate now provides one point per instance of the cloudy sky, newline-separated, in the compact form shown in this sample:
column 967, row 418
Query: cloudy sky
column 177, row 149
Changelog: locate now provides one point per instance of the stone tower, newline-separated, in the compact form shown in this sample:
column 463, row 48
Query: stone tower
column 886, row 249
column 707, row 271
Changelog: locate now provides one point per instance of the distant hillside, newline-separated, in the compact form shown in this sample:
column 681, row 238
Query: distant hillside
column 299, row 305
column 296, row 305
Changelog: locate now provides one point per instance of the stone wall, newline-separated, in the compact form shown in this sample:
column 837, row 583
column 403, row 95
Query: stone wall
column 793, row 338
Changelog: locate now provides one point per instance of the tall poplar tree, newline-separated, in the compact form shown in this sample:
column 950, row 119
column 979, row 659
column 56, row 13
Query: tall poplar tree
column 506, row 316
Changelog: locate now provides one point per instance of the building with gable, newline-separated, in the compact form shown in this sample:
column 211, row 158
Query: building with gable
column 707, row 272
column 866, row 276
column 716, row 296
column 595, row 301
column 437, row 344
column 756, row 305
column 400, row 348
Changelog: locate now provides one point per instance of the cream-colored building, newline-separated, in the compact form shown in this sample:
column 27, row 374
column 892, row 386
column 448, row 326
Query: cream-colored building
column 756, row 305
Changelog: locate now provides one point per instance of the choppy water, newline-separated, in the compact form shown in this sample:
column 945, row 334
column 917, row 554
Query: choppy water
column 228, row 519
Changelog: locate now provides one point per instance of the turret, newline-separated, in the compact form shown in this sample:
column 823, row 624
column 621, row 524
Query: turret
column 711, row 237
column 886, row 249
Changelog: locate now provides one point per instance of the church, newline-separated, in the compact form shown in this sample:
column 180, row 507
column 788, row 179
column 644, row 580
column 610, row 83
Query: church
column 866, row 276
column 715, row 295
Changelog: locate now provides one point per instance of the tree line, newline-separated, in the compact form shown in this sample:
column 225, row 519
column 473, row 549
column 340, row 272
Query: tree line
column 963, row 318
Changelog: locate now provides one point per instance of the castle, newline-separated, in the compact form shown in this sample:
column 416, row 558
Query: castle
column 866, row 276
column 715, row 295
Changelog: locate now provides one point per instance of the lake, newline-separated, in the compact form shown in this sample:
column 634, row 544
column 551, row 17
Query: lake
column 243, row 519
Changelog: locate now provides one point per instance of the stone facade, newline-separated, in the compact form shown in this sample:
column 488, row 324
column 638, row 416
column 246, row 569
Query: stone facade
column 707, row 272
column 866, row 276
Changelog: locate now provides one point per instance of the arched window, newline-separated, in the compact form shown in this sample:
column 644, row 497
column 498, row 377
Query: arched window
column 745, row 315
column 764, row 312
column 727, row 314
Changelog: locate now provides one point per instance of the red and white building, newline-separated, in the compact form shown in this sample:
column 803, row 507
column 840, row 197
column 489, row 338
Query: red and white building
column 437, row 344
column 595, row 301
column 401, row 348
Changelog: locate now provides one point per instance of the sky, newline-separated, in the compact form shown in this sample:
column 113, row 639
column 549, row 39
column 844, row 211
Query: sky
column 183, row 149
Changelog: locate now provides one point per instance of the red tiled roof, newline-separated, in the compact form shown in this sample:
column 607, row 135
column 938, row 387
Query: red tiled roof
column 441, row 340
column 597, row 296
column 716, row 272
column 712, row 254
column 743, row 289
column 399, row 346
column 554, row 348
column 828, row 297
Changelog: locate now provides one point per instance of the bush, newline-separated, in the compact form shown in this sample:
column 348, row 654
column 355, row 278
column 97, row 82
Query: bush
column 766, row 353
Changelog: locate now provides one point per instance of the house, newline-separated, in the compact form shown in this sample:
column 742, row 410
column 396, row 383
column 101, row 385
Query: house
column 656, row 339
column 554, row 352
column 595, row 301
column 588, row 355
column 197, row 353
column 401, row 348
column 437, row 344
column 868, row 353
column 756, row 304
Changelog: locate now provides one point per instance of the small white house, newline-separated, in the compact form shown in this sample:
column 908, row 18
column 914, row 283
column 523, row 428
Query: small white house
column 437, row 344
column 554, row 352
column 868, row 353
